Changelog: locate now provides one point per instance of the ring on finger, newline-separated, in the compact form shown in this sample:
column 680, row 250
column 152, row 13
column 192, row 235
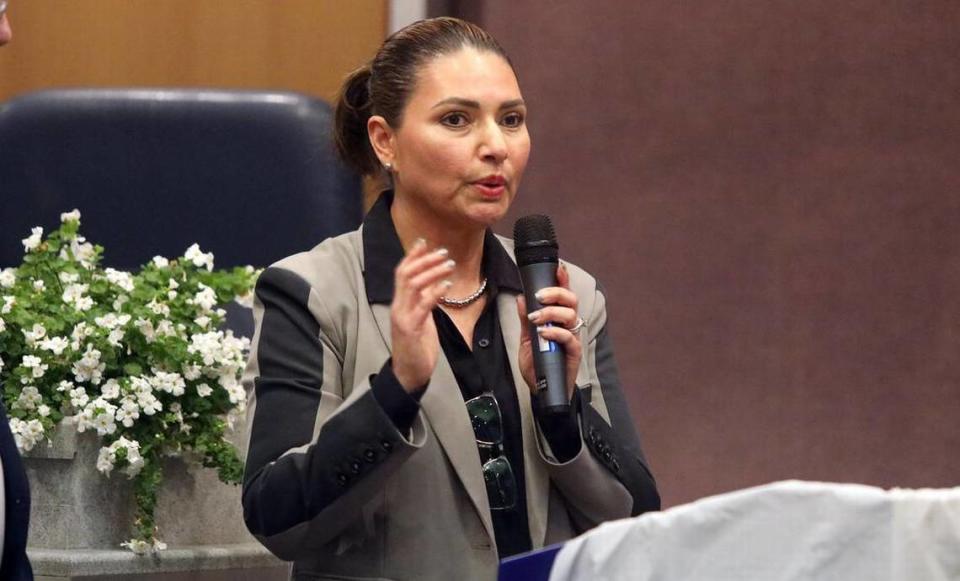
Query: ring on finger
column 576, row 328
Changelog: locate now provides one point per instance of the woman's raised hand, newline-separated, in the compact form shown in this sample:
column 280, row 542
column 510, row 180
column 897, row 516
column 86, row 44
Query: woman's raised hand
column 420, row 279
column 560, row 309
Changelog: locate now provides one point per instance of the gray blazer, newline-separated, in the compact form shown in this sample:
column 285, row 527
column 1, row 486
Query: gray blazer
column 332, row 485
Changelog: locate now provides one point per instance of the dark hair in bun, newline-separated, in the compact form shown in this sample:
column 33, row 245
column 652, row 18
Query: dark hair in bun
column 383, row 86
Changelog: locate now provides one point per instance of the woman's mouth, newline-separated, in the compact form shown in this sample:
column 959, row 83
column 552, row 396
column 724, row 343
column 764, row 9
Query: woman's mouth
column 491, row 187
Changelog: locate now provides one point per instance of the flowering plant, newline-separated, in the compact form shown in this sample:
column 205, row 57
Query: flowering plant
column 137, row 358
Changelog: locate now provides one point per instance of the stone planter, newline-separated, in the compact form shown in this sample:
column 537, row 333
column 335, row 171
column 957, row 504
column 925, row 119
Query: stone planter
column 79, row 518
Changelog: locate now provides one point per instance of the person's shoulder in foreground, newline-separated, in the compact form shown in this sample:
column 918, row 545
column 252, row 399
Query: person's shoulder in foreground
column 15, row 504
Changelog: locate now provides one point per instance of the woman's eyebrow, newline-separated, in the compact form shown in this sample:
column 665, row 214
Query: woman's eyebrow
column 470, row 104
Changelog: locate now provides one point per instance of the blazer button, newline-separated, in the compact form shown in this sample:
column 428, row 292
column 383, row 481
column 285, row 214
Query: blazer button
column 387, row 445
column 369, row 455
column 342, row 479
column 355, row 467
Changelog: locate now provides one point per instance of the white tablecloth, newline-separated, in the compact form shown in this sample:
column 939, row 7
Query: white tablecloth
column 790, row 530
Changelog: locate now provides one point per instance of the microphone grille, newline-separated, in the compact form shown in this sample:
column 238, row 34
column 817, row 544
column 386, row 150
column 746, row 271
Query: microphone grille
column 534, row 229
column 534, row 240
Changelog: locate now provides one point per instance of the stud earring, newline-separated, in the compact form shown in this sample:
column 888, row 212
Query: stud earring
column 388, row 166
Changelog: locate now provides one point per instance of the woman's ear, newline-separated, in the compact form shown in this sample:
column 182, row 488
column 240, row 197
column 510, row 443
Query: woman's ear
column 382, row 139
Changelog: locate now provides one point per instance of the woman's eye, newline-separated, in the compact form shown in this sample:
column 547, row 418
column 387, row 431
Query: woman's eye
column 513, row 120
column 454, row 120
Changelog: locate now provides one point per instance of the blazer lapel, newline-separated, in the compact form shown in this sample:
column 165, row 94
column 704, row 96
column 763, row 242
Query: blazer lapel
column 535, row 472
column 443, row 406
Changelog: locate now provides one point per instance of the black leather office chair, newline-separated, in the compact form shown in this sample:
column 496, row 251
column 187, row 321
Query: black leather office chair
column 250, row 176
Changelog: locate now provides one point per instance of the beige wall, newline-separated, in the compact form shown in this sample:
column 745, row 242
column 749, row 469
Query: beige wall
column 300, row 45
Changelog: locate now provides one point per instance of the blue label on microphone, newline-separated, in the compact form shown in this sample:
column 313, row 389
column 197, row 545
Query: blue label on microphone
column 545, row 345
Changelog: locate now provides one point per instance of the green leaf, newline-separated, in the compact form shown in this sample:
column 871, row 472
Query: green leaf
column 132, row 369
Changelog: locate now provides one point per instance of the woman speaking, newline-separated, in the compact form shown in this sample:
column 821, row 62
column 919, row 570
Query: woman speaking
column 394, row 431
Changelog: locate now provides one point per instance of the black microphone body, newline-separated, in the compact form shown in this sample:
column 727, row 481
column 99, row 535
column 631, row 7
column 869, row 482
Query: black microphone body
column 537, row 255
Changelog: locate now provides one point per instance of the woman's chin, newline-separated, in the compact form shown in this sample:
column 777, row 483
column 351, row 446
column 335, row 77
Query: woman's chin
column 488, row 214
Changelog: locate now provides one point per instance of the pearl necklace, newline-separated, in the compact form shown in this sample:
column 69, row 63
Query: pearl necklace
column 467, row 300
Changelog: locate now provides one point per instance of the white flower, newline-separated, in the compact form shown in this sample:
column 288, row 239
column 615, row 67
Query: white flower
column 8, row 277
column 65, row 386
column 105, row 460
column 29, row 398
column 237, row 396
column 129, row 411
column 160, row 262
column 108, row 456
column 35, row 333
column 99, row 415
column 36, row 364
column 146, row 328
column 26, row 434
column 72, row 216
column 73, row 292
column 110, row 389
column 191, row 372
column 83, row 304
column 78, row 397
column 159, row 308
column 198, row 258
column 171, row 383
column 203, row 390
column 207, row 346
column 173, row 284
column 8, row 302
column 33, row 241
column 149, row 404
column 138, row 546
column 89, row 368
column 140, row 386
column 202, row 321
column 134, row 461
column 1, row 363
column 124, row 280
column 119, row 302
column 69, row 277
column 165, row 328
column 112, row 320
column 43, row 410
column 206, row 299
column 171, row 295
column 80, row 332
column 82, row 251
column 115, row 337
column 57, row 345
column 104, row 424
column 3, row 326
column 39, row 285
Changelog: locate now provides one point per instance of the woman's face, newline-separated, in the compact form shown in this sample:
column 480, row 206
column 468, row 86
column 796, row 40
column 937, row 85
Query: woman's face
column 462, row 144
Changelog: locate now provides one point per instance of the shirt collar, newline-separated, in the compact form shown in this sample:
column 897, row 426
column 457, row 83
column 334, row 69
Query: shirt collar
column 382, row 252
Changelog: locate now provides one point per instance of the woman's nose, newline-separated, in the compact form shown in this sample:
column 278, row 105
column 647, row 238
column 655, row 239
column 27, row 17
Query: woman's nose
column 493, row 143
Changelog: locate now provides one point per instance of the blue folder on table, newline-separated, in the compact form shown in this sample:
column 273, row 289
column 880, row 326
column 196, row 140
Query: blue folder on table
column 532, row 566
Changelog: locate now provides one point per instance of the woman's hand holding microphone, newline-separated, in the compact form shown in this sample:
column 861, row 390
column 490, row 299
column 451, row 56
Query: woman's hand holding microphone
column 556, row 321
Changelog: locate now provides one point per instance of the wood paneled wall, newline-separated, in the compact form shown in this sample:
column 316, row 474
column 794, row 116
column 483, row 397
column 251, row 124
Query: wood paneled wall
column 300, row 45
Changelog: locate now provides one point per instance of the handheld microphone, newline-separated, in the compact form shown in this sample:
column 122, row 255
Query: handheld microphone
column 536, row 250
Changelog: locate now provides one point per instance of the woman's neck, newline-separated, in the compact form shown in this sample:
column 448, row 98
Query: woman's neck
column 464, row 243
